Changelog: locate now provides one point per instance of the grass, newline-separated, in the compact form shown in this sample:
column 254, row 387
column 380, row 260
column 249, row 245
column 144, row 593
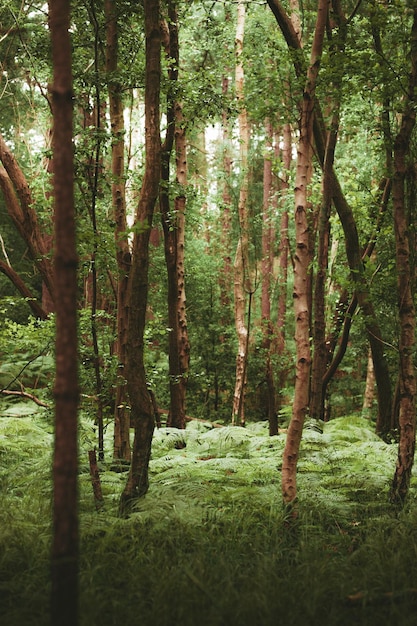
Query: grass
column 210, row 544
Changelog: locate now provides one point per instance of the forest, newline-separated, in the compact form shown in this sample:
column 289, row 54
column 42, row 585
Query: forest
column 207, row 312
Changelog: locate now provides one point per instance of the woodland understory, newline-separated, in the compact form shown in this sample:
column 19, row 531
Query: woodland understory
column 207, row 312
column 211, row 543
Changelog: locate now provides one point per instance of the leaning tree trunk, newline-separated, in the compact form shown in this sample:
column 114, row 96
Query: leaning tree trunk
column 121, row 442
column 302, row 262
column 65, row 548
column 405, row 283
column 142, row 413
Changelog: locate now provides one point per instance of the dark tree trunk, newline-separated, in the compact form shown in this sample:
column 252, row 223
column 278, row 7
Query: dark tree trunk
column 65, row 549
column 121, row 444
column 173, row 234
column 142, row 413
column 405, row 288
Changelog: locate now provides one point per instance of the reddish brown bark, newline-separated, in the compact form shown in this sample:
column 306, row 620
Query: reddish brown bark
column 267, row 273
column 142, row 413
column 24, row 291
column 173, row 227
column 121, row 443
column 65, row 548
column 302, row 260
column 405, row 286
column 19, row 204
column 242, row 278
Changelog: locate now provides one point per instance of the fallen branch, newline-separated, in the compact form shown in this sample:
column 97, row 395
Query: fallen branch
column 25, row 394
column 382, row 598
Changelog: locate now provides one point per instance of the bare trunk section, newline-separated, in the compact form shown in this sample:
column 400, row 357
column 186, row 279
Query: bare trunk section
column 174, row 231
column 267, row 273
column 302, row 261
column 65, row 548
column 121, row 443
column 242, row 279
column 19, row 204
column 405, row 287
column 369, row 393
column 321, row 352
column 353, row 251
column 142, row 413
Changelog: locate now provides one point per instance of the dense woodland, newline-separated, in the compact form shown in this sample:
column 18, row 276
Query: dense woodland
column 207, row 297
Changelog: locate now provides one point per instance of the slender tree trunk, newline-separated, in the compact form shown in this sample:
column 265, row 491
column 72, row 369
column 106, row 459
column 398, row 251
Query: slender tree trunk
column 321, row 353
column 65, row 548
column 353, row 251
column 284, row 245
column 142, row 413
column 242, row 279
column 267, row 273
column 179, row 208
column 369, row 393
column 405, row 287
column 121, row 443
column 173, row 227
column 302, row 265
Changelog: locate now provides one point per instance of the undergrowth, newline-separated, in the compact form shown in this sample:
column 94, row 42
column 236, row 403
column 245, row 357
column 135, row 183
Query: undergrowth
column 211, row 544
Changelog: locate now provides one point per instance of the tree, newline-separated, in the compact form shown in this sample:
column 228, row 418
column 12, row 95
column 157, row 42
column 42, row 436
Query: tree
column 174, row 227
column 141, row 411
column 64, row 593
column 302, row 261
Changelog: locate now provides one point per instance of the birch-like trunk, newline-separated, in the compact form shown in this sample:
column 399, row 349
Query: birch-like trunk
column 302, row 261
column 242, row 281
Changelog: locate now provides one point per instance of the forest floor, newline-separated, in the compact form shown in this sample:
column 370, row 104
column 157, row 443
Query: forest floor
column 210, row 544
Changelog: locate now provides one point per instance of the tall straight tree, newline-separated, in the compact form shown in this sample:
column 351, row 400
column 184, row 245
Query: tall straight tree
column 64, row 595
column 173, row 223
column 242, row 278
column 121, row 448
column 142, row 412
column 302, row 261
column 405, row 283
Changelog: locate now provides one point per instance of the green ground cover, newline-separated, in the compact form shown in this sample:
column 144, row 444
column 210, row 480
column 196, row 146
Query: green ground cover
column 210, row 544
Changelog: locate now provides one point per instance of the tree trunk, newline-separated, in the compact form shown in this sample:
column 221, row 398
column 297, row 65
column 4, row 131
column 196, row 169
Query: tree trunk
column 267, row 272
column 242, row 279
column 353, row 251
column 121, row 442
column 173, row 227
column 65, row 548
column 405, row 285
column 369, row 393
column 302, row 265
column 142, row 413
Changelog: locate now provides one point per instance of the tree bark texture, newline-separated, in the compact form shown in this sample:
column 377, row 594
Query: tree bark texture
column 65, row 548
column 405, row 287
column 20, row 207
column 302, row 260
column 242, row 279
column 142, row 414
column 267, row 274
column 121, row 444
column 174, row 231
column 353, row 250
